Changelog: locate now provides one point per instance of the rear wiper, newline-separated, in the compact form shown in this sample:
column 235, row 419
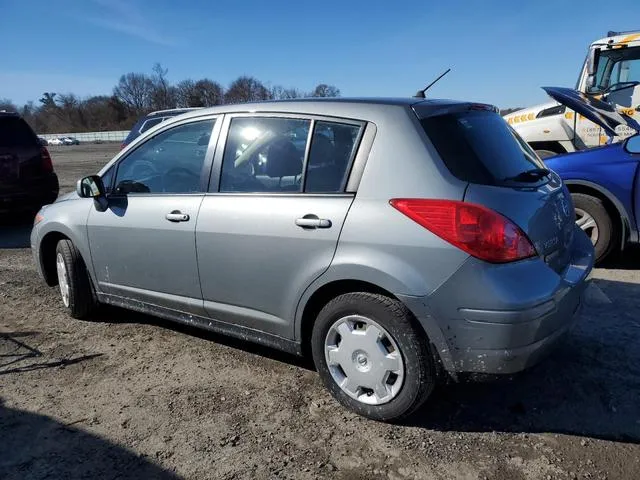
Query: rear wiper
column 532, row 175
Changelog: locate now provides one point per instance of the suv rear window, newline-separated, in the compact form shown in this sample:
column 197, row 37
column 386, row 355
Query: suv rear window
column 151, row 123
column 479, row 146
column 15, row 132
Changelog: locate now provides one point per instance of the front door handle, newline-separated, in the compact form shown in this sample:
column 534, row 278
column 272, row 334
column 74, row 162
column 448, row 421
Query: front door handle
column 177, row 216
column 312, row 221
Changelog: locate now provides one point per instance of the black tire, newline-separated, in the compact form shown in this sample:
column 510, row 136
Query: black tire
column 545, row 153
column 420, row 369
column 607, row 234
column 82, row 300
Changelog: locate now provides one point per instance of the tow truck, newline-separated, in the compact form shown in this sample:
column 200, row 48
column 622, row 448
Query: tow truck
column 611, row 73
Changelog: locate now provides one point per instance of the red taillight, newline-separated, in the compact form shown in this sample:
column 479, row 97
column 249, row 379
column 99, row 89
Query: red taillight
column 47, row 166
column 477, row 230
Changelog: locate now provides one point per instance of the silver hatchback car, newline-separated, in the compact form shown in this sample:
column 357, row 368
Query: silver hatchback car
column 396, row 241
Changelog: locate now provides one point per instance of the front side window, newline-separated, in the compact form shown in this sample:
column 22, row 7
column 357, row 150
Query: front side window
column 264, row 155
column 170, row 162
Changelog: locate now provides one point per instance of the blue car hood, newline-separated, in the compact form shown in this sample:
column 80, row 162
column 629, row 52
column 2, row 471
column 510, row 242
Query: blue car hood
column 599, row 112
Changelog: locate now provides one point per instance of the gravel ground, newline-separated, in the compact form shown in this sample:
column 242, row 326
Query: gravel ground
column 131, row 396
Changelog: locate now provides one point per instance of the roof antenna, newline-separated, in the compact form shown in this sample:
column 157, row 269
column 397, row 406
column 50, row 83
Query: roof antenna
column 420, row 93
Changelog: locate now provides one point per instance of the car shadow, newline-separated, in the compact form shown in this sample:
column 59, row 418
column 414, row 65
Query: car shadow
column 110, row 314
column 629, row 259
column 17, row 356
column 35, row 446
column 589, row 386
column 15, row 233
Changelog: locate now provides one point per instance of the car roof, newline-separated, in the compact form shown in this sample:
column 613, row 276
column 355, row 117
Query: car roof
column 342, row 107
column 171, row 111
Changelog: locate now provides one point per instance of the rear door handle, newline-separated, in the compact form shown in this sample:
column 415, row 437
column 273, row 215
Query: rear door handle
column 312, row 221
column 177, row 216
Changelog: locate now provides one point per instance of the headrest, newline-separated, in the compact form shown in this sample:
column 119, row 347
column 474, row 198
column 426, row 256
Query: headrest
column 283, row 159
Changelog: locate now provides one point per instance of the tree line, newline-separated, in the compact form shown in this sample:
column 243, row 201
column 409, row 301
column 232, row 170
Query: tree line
column 138, row 93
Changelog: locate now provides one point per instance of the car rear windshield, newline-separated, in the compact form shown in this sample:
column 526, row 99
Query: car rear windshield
column 14, row 132
column 479, row 146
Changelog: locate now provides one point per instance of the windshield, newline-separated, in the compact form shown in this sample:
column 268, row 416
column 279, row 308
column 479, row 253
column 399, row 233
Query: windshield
column 616, row 68
column 480, row 147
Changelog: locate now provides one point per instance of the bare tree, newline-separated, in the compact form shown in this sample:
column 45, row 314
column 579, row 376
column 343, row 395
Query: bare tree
column 185, row 93
column 209, row 93
column 246, row 89
column 203, row 93
column 138, row 93
column 278, row 92
column 163, row 96
column 8, row 105
column 135, row 90
column 324, row 90
column 48, row 100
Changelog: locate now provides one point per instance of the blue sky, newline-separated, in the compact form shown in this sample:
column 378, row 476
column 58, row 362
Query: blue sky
column 500, row 51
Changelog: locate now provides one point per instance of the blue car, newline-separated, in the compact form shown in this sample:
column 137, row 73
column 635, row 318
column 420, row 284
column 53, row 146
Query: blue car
column 605, row 181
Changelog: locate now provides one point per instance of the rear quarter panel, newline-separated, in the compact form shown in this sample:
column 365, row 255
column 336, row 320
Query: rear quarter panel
column 380, row 245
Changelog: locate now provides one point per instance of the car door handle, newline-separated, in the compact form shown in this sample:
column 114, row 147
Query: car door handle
column 312, row 221
column 177, row 216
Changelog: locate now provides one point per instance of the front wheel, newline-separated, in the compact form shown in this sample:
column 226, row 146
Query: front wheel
column 371, row 356
column 592, row 217
column 73, row 280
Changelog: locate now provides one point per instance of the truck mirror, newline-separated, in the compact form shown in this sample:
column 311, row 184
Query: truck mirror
column 592, row 68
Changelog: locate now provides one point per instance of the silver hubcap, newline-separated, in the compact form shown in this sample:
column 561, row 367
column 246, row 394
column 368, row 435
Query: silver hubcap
column 587, row 223
column 364, row 360
column 63, row 279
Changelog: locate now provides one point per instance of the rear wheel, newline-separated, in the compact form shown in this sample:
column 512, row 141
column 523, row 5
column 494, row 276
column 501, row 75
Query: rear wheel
column 73, row 280
column 592, row 217
column 371, row 357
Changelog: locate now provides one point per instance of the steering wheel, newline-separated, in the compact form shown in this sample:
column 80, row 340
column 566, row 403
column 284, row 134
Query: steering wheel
column 620, row 86
column 179, row 170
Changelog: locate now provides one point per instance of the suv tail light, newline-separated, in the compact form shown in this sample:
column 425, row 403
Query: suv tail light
column 47, row 166
column 477, row 230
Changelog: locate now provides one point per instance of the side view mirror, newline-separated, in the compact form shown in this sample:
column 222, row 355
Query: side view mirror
column 632, row 145
column 592, row 67
column 90, row 187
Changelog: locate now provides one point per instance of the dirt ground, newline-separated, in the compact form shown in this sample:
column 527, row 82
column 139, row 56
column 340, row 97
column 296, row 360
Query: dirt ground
column 131, row 396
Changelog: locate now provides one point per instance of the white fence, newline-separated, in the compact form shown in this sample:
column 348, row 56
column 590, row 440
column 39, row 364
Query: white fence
column 118, row 136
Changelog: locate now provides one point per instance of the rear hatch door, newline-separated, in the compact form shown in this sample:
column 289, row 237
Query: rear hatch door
column 504, row 174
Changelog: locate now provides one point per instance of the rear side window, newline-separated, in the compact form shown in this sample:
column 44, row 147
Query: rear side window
column 14, row 132
column 479, row 146
column 332, row 148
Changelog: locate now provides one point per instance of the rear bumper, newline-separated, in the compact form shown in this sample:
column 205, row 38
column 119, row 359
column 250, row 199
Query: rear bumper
column 31, row 195
column 502, row 319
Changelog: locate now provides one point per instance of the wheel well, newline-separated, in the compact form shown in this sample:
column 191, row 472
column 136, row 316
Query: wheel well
column 324, row 295
column 48, row 256
column 609, row 206
column 551, row 146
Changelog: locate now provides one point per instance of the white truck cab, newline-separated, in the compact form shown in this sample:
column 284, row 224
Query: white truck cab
column 611, row 72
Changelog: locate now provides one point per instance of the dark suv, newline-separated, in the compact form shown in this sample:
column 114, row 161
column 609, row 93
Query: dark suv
column 27, row 179
column 151, row 120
